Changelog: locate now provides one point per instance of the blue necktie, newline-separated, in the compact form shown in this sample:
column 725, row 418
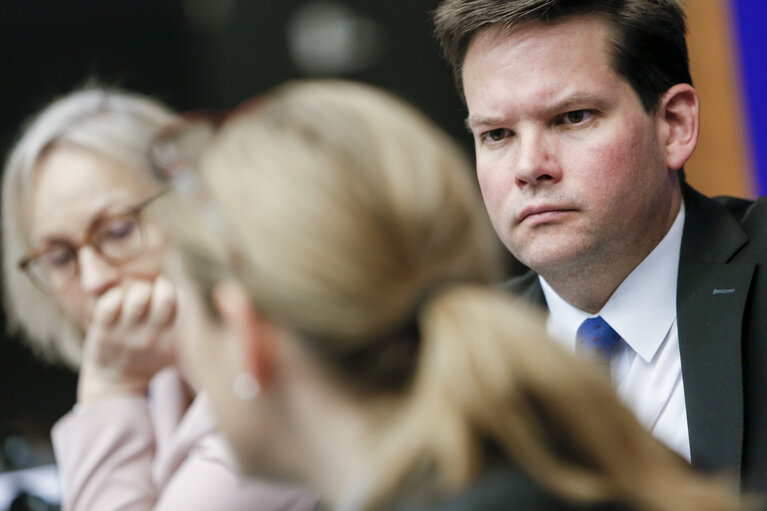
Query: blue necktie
column 597, row 340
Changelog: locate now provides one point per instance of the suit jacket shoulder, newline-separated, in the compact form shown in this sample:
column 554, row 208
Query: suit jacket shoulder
column 752, row 218
column 527, row 287
column 724, row 229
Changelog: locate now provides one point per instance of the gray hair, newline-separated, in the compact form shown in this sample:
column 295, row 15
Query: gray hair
column 110, row 123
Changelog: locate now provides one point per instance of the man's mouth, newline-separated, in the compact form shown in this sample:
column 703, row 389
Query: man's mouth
column 543, row 213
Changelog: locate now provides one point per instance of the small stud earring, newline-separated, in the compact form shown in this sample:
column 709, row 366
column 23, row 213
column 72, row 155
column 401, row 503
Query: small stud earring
column 246, row 386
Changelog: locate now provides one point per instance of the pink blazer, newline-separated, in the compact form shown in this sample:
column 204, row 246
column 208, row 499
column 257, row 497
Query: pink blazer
column 132, row 453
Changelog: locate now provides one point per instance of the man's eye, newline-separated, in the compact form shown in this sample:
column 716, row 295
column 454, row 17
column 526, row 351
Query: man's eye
column 577, row 116
column 495, row 135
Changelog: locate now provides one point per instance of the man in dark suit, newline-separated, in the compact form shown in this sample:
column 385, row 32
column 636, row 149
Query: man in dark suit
column 583, row 115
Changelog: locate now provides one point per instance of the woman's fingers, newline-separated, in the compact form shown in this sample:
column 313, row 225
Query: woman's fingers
column 108, row 308
column 136, row 317
column 162, row 311
column 136, row 303
column 130, row 338
column 139, row 304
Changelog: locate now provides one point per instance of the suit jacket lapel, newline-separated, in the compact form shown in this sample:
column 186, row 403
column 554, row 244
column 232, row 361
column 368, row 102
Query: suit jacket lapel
column 711, row 297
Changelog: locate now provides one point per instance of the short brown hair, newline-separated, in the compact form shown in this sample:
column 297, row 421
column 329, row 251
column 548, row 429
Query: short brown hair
column 648, row 47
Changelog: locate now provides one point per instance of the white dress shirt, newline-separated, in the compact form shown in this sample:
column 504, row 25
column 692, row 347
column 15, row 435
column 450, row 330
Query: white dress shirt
column 647, row 372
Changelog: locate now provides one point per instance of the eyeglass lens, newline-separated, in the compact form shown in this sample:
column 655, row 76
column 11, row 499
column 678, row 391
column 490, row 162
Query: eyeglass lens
column 117, row 238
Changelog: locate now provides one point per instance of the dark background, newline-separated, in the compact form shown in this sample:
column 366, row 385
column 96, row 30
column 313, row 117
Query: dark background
column 195, row 54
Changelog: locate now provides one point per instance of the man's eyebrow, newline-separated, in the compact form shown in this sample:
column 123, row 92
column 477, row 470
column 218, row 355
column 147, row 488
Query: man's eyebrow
column 573, row 100
column 476, row 120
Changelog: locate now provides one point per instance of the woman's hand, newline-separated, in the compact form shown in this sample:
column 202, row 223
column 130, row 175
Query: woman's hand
column 129, row 340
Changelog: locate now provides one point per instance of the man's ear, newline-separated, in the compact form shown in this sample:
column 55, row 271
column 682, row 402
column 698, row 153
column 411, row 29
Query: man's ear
column 253, row 333
column 679, row 115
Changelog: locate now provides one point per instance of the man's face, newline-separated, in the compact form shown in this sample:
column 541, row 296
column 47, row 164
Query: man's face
column 570, row 164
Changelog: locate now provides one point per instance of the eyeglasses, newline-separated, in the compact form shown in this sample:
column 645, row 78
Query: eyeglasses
column 118, row 238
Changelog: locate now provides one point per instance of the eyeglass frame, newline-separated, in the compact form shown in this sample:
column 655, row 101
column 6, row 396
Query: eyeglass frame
column 35, row 253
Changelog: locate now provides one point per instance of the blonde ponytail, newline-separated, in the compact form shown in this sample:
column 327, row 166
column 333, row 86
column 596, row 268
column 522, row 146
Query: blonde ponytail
column 489, row 379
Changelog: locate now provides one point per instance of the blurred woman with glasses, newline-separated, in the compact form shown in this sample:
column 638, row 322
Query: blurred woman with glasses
column 339, row 313
column 83, row 267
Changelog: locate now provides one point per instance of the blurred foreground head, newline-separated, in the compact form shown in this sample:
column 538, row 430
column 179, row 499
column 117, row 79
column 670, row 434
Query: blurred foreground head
column 335, row 255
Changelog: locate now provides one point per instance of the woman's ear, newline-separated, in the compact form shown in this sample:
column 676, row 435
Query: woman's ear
column 253, row 333
column 679, row 115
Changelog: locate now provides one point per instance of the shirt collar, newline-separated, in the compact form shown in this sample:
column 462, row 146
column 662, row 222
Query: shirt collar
column 642, row 309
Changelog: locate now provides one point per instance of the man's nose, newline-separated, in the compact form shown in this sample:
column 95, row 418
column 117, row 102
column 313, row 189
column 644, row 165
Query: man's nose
column 97, row 275
column 536, row 162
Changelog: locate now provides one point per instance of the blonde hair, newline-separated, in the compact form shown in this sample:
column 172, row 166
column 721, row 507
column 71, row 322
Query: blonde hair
column 346, row 207
column 352, row 219
column 488, row 375
column 107, row 122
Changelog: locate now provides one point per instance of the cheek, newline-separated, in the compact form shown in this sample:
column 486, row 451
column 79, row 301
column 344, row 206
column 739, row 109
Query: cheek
column 189, row 356
column 495, row 186
column 632, row 146
column 612, row 169
column 237, row 418
column 203, row 355
column 194, row 334
column 151, row 263
column 76, row 305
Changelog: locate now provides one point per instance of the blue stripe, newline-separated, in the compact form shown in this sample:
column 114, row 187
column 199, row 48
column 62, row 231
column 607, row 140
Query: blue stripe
column 750, row 18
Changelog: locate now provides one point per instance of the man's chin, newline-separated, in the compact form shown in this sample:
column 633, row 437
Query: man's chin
column 546, row 258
